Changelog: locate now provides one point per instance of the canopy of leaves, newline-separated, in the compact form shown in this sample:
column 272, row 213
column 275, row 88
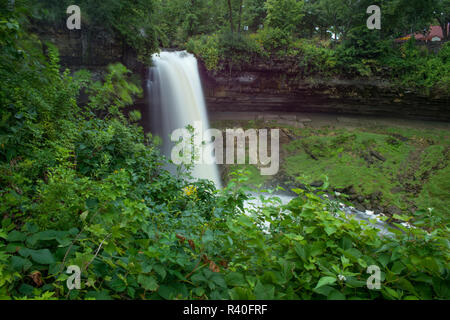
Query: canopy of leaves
column 284, row 14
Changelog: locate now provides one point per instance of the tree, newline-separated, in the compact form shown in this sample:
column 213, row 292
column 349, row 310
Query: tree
column 235, row 8
column 442, row 15
column 230, row 15
column 241, row 5
column 254, row 13
column 407, row 16
column 284, row 14
column 309, row 21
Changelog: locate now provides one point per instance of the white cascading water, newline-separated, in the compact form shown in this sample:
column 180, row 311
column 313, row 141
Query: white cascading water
column 176, row 101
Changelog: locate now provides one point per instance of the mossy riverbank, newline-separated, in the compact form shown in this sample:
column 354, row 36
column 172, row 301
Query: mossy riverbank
column 380, row 167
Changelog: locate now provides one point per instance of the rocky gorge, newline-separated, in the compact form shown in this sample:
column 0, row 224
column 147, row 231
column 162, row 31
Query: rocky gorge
column 276, row 90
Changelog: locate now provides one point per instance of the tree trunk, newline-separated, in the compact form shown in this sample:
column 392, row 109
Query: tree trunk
column 240, row 16
column 230, row 9
column 444, row 25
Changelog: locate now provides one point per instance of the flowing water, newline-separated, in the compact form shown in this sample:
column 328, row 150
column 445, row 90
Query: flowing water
column 367, row 217
column 176, row 101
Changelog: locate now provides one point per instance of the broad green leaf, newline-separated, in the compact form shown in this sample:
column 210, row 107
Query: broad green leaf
column 235, row 279
column 167, row 292
column 99, row 295
column 325, row 281
column 148, row 282
column 15, row 235
column 20, row 264
column 264, row 292
column 26, row 290
column 336, row 295
column 391, row 292
column 43, row 256
column 397, row 267
column 117, row 284
column 354, row 283
column 324, row 290
column 208, row 236
column 219, row 280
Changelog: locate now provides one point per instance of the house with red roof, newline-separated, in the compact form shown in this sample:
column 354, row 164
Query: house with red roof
column 434, row 34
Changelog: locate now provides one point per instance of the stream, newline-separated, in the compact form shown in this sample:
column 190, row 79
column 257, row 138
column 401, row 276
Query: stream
column 372, row 220
column 176, row 100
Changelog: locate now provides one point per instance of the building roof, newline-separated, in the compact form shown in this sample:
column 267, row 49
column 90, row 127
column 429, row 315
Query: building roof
column 435, row 31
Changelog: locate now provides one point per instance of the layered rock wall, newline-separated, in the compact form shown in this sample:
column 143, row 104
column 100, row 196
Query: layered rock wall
column 263, row 86
column 277, row 86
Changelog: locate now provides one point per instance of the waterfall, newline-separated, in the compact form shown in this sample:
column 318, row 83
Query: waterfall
column 176, row 101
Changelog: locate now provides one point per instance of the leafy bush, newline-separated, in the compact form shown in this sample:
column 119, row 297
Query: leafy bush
column 284, row 14
column 414, row 67
column 237, row 50
column 225, row 50
column 149, row 251
column 273, row 39
column 315, row 59
column 358, row 54
column 207, row 48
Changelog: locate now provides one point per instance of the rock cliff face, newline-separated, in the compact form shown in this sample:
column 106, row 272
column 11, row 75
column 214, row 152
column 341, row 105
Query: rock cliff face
column 95, row 51
column 276, row 86
column 263, row 86
column 88, row 48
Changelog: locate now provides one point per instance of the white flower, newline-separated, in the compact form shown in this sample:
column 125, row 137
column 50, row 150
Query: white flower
column 342, row 277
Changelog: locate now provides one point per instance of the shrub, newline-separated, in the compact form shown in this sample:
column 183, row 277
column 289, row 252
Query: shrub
column 207, row 48
column 273, row 39
column 412, row 67
column 224, row 51
column 315, row 59
column 237, row 50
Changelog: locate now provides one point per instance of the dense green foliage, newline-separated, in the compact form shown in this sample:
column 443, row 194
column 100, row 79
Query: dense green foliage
column 127, row 20
column 323, row 38
column 83, row 185
column 227, row 51
column 329, row 38
column 284, row 14
column 420, row 69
